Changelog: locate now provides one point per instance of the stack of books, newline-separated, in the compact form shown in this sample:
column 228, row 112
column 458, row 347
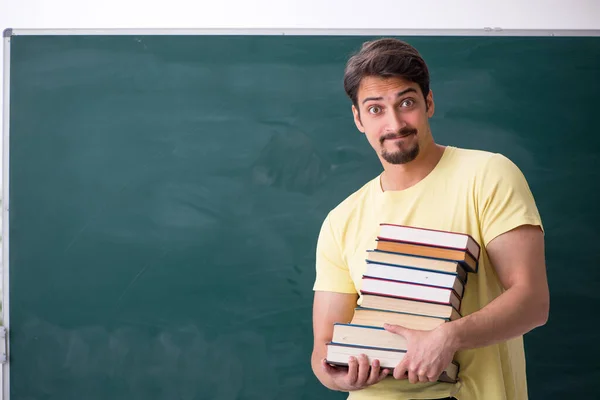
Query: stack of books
column 415, row 278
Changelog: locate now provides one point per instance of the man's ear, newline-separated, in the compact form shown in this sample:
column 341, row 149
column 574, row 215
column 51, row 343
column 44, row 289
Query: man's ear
column 357, row 120
column 430, row 104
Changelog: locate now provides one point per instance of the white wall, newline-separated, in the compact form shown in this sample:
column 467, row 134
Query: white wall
column 508, row 14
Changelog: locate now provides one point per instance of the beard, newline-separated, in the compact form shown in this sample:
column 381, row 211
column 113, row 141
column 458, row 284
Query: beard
column 401, row 155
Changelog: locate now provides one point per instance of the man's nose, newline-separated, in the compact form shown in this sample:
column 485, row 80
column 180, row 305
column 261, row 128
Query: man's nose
column 395, row 122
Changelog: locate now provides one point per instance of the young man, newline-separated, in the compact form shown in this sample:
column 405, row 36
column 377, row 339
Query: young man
column 427, row 185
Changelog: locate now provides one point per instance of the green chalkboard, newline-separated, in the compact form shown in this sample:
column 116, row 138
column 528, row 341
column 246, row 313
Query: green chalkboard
column 166, row 193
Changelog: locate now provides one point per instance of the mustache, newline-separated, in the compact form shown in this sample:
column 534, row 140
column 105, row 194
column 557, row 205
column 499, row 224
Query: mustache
column 400, row 133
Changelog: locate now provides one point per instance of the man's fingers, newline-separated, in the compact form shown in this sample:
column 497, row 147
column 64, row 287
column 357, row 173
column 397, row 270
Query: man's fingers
column 413, row 376
column 400, row 371
column 359, row 373
column 352, row 371
column 383, row 373
column 363, row 370
column 373, row 372
column 422, row 375
column 432, row 377
column 397, row 329
column 376, row 373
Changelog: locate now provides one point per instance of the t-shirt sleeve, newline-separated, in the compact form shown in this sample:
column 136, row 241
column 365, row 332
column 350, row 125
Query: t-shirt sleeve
column 332, row 274
column 505, row 200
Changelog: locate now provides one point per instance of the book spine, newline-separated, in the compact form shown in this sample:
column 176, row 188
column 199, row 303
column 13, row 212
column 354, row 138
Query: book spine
column 408, row 298
column 413, row 284
column 435, row 246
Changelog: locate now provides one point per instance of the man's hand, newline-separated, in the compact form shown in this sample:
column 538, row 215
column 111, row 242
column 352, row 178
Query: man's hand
column 428, row 353
column 358, row 375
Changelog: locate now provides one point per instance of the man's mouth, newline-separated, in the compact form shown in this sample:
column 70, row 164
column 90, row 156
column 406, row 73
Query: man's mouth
column 402, row 135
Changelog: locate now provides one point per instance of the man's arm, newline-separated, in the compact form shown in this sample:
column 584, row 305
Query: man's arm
column 329, row 308
column 518, row 258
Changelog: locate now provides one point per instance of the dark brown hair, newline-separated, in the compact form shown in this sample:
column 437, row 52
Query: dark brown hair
column 385, row 57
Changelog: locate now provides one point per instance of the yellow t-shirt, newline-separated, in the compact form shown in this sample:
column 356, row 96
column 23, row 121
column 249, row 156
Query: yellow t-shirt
column 469, row 191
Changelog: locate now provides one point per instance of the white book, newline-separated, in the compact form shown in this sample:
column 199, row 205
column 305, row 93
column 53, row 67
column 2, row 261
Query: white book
column 403, row 290
column 415, row 275
column 430, row 237
column 365, row 335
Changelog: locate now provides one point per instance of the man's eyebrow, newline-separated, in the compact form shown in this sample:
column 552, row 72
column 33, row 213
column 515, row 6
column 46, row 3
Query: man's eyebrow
column 402, row 93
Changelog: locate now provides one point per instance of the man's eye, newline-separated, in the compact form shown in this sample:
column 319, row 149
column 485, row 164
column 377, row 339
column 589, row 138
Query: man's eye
column 374, row 110
column 407, row 103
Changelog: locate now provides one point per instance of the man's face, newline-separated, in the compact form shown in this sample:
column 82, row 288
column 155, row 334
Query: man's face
column 394, row 116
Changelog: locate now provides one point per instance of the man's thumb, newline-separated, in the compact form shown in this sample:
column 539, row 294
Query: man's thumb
column 397, row 329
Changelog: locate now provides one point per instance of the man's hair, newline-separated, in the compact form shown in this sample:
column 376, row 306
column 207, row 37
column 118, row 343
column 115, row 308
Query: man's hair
column 385, row 58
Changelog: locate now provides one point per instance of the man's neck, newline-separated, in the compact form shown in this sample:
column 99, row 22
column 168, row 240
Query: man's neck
column 403, row 176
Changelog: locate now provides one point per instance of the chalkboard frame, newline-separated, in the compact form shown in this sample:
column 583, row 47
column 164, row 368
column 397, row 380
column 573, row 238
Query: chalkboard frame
column 9, row 33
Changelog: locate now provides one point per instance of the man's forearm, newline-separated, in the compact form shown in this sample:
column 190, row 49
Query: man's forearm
column 514, row 313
